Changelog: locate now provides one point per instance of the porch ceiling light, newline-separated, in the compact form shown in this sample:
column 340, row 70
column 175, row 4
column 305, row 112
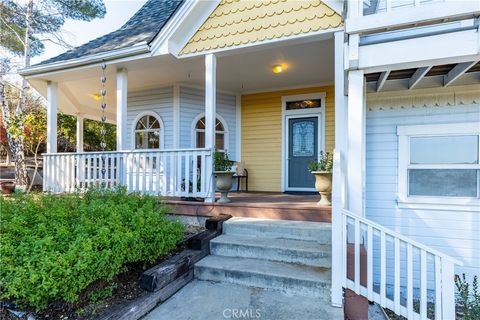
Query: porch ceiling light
column 96, row 96
column 277, row 68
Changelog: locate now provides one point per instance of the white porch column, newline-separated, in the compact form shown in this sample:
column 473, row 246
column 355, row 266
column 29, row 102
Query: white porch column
column 52, row 89
column 210, row 112
column 79, row 132
column 338, row 192
column 122, row 88
column 356, row 142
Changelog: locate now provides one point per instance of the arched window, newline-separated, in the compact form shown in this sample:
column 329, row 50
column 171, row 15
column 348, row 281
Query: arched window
column 220, row 134
column 148, row 132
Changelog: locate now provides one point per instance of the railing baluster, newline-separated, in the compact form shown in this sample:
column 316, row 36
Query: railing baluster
column 187, row 174
column 178, row 172
column 172, row 168
column 370, row 263
column 130, row 161
column 150, row 173
column 357, row 256
column 157, row 173
column 195, row 173
column 423, row 284
column 396, row 286
column 383, row 259
column 144, row 174
column 410, row 281
column 95, row 170
column 136, row 167
column 89, row 171
column 203, row 185
column 163, row 173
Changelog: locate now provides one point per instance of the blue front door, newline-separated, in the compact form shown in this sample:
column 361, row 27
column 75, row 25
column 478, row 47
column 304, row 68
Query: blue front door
column 302, row 148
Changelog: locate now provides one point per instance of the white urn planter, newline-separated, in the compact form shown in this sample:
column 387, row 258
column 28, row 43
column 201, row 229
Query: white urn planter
column 224, row 182
column 323, row 185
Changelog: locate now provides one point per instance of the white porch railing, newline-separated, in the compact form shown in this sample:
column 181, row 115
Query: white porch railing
column 179, row 172
column 369, row 250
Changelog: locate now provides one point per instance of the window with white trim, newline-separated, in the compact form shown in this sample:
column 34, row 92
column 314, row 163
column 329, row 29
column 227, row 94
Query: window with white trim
column 148, row 131
column 439, row 162
column 220, row 134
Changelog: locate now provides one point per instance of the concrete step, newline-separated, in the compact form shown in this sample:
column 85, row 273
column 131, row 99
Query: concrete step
column 289, row 278
column 279, row 229
column 309, row 253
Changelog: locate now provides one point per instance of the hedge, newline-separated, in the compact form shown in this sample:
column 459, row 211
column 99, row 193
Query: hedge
column 52, row 247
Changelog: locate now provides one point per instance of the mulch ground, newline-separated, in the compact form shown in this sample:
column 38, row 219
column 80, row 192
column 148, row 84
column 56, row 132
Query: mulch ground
column 126, row 287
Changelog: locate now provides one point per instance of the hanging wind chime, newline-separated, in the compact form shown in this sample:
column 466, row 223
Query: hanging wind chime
column 103, row 105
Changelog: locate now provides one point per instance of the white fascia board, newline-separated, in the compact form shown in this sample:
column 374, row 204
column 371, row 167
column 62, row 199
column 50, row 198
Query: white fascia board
column 335, row 5
column 133, row 52
column 453, row 47
column 449, row 10
column 159, row 45
column 197, row 12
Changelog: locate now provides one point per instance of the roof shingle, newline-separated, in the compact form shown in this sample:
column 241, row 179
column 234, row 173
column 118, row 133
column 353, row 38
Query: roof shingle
column 143, row 26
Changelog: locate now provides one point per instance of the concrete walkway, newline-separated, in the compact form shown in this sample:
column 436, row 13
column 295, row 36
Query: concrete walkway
column 205, row 300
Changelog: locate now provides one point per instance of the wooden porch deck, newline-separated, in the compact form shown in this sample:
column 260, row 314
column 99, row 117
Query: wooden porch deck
column 258, row 205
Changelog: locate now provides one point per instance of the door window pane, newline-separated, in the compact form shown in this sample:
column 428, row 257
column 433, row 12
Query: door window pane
column 304, row 104
column 444, row 150
column 443, row 182
column 303, row 137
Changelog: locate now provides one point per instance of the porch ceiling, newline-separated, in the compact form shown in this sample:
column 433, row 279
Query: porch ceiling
column 304, row 64
column 429, row 76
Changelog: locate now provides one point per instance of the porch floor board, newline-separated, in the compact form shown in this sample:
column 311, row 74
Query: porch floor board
column 267, row 205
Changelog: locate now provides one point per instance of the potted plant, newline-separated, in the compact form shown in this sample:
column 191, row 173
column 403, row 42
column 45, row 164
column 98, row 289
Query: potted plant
column 322, row 170
column 223, row 174
column 7, row 187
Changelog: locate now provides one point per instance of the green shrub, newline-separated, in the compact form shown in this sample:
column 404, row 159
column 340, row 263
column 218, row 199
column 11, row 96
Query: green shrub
column 324, row 164
column 468, row 297
column 53, row 247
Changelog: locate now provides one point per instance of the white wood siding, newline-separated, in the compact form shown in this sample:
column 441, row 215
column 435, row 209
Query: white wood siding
column 158, row 100
column 456, row 233
column 192, row 104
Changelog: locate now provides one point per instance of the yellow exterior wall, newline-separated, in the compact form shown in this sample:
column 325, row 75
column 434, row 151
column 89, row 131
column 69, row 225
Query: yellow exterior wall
column 262, row 134
column 240, row 22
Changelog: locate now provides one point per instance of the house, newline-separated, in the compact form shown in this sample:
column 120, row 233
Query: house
column 391, row 87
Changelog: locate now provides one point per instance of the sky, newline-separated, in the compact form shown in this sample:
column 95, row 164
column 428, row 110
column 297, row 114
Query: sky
column 80, row 32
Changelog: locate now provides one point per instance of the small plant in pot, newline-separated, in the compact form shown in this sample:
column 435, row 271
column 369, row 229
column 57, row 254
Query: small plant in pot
column 322, row 170
column 223, row 174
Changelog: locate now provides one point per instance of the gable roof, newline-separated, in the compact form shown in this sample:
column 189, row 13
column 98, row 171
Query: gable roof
column 143, row 26
column 236, row 22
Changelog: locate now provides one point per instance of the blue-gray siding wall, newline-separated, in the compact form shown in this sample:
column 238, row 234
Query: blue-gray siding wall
column 192, row 104
column 159, row 101
column 456, row 233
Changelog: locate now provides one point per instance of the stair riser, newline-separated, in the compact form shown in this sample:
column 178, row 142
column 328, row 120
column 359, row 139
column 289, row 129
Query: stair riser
column 286, row 285
column 317, row 259
column 322, row 236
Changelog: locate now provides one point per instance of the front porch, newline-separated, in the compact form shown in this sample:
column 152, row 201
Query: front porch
column 170, row 122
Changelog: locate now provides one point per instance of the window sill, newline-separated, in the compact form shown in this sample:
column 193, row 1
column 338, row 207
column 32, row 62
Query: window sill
column 447, row 204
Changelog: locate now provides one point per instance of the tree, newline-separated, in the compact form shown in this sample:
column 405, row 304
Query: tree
column 24, row 27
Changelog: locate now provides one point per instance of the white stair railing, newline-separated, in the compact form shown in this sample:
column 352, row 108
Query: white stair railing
column 179, row 172
column 364, row 260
